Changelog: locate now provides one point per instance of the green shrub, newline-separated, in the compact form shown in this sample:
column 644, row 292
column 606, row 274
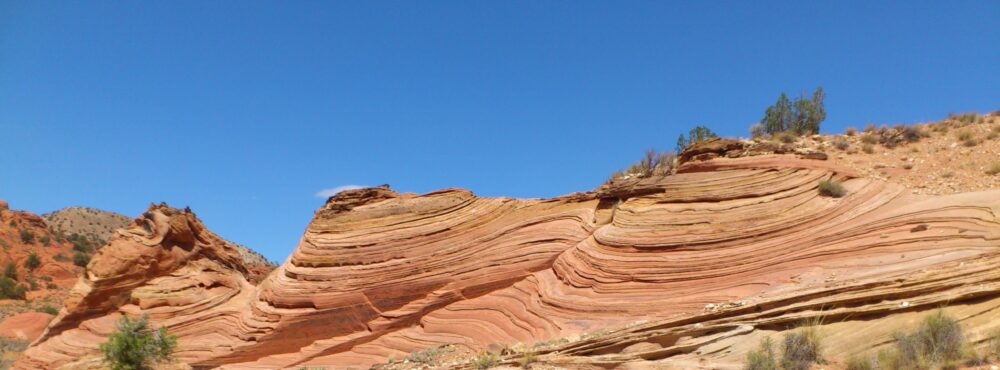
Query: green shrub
column 32, row 284
column 10, row 271
column 49, row 309
column 33, row 261
column 136, row 346
column 832, row 188
column 81, row 259
column 27, row 236
column 801, row 349
column 868, row 148
column 762, row 358
column 970, row 142
column 786, row 137
column 10, row 289
column 937, row 341
column 851, row 131
column 46, row 240
column 841, row 144
column 869, row 139
column 60, row 257
column 13, row 223
column 484, row 360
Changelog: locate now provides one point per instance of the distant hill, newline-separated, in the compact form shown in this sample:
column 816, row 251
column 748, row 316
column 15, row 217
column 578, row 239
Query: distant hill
column 94, row 224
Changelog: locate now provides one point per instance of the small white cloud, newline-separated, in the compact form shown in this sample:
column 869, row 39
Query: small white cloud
column 326, row 193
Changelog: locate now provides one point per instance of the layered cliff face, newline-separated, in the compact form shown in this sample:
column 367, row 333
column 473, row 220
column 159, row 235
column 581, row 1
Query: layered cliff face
column 709, row 259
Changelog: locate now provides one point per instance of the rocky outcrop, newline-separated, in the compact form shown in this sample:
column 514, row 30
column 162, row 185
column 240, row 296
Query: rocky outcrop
column 727, row 248
column 165, row 265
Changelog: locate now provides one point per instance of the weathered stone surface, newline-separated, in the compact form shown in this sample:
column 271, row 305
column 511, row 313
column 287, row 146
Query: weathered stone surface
column 379, row 274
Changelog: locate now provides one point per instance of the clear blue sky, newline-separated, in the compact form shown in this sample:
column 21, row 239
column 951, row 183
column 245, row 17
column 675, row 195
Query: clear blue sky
column 245, row 110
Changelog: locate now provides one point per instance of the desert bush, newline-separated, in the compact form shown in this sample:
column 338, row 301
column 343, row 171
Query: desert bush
column 786, row 137
column 49, row 309
column 762, row 358
column 60, row 257
column 970, row 142
column 427, row 356
column 51, row 286
column 3, row 244
column 868, row 148
column 912, row 133
column 484, row 360
column 801, row 349
column 937, row 341
column 832, row 188
column 757, row 130
column 10, row 270
column 994, row 168
column 528, row 358
column 136, row 346
column 869, row 128
column 653, row 163
column 10, row 289
column 869, row 139
column 964, row 135
column 45, row 240
column 841, row 144
column 861, row 363
column 851, row 131
column 33, row 261
column 965, row 118
column 81, row 259
column 27, row 236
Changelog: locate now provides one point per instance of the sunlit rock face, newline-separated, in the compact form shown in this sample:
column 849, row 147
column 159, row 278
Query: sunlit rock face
column 378, row 274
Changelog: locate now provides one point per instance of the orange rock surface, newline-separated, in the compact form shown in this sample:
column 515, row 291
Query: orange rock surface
column 26, row 326
column 723, row 250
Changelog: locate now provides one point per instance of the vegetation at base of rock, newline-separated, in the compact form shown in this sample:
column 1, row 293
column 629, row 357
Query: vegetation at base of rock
column 81, row 259
column 762, row 358
column 427, row 356
column 832, row 188
column 136, row 346
column 938, row 342
column 528, row 358
column 484, row 360
column 698, row 133
column 802, row 116
column 801, row 349
column 33, row 261
column 49, row 309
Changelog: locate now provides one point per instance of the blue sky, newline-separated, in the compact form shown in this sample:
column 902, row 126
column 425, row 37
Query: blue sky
column 245, row 110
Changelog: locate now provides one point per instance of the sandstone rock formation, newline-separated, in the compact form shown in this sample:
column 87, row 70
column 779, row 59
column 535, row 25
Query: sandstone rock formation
column 710, row 258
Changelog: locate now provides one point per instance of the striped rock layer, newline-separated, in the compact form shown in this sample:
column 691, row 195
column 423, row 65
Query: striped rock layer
column 705, row 260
